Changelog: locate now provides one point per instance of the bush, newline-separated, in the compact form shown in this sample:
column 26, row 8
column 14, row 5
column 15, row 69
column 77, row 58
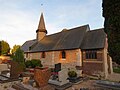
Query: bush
column 116, row 69
column 33, row 63
column 72, row 74
column 28, row 64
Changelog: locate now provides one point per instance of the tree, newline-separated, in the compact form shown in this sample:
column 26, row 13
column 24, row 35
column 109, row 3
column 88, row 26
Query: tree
column 5, row 48
column 111, row 13
column 18, row 56
column 15, row 47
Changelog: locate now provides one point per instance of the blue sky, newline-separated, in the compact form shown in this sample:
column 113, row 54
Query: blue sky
column 19, row 18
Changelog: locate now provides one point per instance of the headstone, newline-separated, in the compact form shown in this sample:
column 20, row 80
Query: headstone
column 57, row 67
column 15, row 70
column 62, row 76
column 42, row 76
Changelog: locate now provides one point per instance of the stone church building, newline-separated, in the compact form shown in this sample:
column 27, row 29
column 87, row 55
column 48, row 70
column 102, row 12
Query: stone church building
column 78, row 48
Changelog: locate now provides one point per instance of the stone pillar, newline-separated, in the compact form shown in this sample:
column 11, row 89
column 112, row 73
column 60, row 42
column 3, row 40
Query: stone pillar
column 110, row 64
column 79, row 61
column 53, row 59
column 79, row 58
column 105, row 65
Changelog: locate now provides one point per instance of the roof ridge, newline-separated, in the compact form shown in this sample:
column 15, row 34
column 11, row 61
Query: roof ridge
column 97, row 29
column 79, row 26
column 67, row 30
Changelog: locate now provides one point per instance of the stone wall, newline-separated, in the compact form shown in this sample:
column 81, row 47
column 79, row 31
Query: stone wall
column 92, row 66
column 74, row 58
column 54, row 57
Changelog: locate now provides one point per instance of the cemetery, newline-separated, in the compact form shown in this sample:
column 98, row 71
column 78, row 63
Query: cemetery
column 44, row 78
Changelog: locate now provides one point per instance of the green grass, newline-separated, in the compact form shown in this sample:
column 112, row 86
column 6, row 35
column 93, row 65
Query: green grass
column 116, row 69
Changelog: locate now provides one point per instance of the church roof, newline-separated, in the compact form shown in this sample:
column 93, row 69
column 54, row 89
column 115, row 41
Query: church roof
column 27, row 44
column 94, row 39
column 80, row 37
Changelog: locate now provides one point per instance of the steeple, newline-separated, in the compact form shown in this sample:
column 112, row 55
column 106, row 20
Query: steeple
column 41, row 31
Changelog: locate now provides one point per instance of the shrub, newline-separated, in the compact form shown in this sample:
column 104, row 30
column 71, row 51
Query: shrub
column 33, row 63
column 72, row 74
column 28, row 64
column 116, row 69
column 36, row 62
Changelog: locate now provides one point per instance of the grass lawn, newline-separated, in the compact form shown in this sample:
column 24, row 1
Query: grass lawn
column 116, row 69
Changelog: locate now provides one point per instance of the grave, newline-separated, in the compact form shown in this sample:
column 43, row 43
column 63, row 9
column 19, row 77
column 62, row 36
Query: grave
column 60, row 81
column 108, row 84
column 15, row 69
column 41, row 76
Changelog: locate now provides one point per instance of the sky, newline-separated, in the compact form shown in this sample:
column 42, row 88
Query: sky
column 19, row 18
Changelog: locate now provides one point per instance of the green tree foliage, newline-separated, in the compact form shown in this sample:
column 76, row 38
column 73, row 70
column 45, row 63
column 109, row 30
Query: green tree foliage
column 111, row 13
column 18, row 56
column 15, row 47
column 28, row 64
column 5, row 48
column 33, row 63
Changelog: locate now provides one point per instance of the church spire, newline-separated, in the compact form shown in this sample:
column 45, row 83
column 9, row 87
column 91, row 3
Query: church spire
column 41, row 31
column 41, row 26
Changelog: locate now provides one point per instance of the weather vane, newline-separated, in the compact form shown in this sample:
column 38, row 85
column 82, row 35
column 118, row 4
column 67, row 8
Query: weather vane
column 41, row 4
column 42, row 7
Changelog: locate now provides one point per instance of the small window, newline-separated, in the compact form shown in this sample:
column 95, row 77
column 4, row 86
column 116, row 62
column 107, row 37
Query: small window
column 30, row 48
column 43, row 55
column 26, row 55
column 91, row 54
column 63, row 54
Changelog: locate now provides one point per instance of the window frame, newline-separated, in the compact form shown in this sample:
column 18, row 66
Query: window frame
column 43, row 55
column 91, row 54
column 63, row 54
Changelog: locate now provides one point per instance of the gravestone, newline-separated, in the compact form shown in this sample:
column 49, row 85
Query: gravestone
column 42, row 76
column 58, row 67
column 62, row 76
column 15, row 69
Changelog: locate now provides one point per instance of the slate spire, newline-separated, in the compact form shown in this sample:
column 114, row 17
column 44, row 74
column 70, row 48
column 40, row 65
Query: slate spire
column 41, row 31
column 41, row 25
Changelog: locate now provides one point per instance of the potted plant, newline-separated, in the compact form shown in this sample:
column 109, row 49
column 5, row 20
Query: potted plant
column 72, row 76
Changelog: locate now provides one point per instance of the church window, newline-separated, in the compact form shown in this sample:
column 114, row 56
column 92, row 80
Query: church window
column 43, row 55
column 63, row 54
column 91, row 54
column 26, row 55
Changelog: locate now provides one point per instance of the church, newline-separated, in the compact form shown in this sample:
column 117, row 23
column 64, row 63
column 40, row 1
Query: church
column 78, row 48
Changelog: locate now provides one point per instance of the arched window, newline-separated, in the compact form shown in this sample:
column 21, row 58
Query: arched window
column 43, row 55
column 63, row 54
